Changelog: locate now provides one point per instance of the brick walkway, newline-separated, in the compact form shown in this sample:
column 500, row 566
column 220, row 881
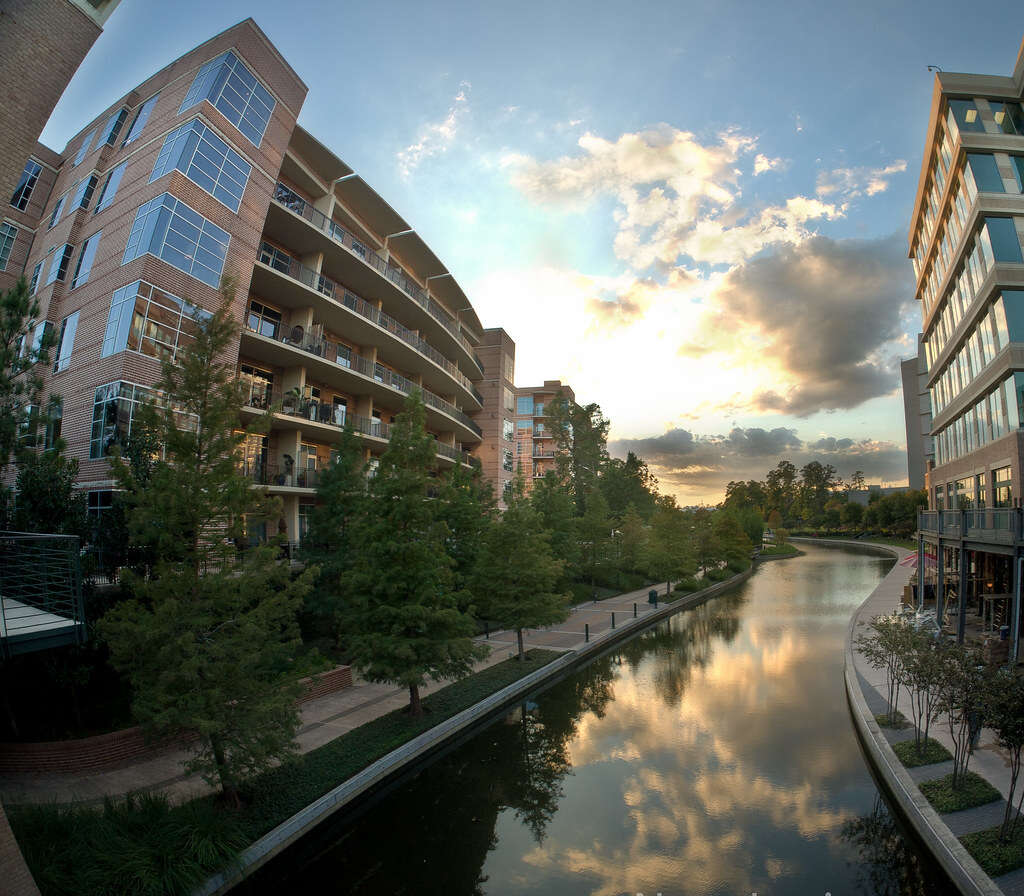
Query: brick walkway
column 322, row 720
column 988, row 759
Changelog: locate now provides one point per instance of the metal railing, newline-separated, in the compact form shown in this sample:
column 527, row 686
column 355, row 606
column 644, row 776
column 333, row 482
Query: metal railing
column 339, row 417
column 539, row 453
column 291, row 200
column 340, row 354
column 41, row 588
column 998, row 524
column 326, row 286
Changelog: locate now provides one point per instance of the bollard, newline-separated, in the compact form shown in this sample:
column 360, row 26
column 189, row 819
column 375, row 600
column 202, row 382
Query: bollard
column 655, row 601
column 487, row 632
column 613, row 620
column 586, row 632
column 634, row 611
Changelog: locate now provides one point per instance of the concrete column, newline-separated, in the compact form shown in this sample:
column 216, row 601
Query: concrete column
column 961, row 621
column 939, row 578
column 920, row 570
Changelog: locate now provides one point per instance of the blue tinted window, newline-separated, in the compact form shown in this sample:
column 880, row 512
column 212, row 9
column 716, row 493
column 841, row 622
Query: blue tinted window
column 8, row 234
column 235, row 92
column 141, row 117
column 170, row 230
column 113, row 127
column 110, row 187
column 206, row 160
column 1005, row 242
column 83, row 192
column 26, row 184
column 966, row 115
column 986, row 173
column 59, row 264
column 84, row 148
column 524, row 405
column 85, row 259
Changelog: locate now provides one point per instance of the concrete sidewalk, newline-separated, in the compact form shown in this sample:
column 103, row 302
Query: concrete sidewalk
column 323, row 719
column 988, row 760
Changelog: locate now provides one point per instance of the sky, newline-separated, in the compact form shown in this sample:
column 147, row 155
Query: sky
column 694, row 213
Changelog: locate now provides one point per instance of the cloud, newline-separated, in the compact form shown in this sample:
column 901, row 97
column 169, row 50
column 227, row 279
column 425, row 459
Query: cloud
column 696, row 466
column 677, row 197
column 435, row 137
column 762, row 164
column 784, row 306
column 852, row 182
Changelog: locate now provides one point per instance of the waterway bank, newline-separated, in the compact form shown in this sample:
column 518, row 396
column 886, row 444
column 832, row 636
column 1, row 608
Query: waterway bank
column 420, row 748
column 936, row 836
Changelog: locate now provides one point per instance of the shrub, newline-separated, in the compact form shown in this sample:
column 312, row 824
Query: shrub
column 688, row 585
column 994, row 856
column 974, row 791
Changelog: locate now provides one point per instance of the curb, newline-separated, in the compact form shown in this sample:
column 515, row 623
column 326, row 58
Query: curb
column 965, row 873
column 286, row 833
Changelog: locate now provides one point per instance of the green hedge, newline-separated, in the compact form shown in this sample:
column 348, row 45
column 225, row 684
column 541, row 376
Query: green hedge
column 143, row 845
column 932, row 751
column 994, row 857
column 974, row 791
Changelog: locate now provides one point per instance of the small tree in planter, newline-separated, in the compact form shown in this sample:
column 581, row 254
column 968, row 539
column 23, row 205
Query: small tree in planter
column 960, row 699
column 885, row 648
column 1004, row 713
column 922, row 672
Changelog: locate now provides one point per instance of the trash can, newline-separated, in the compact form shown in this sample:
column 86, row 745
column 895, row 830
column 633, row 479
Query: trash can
column 652, row 596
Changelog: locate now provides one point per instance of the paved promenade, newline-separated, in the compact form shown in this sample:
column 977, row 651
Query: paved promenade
column 323, row 719
column 988, row 760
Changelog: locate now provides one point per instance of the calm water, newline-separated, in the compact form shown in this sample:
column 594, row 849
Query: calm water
column 713, row 754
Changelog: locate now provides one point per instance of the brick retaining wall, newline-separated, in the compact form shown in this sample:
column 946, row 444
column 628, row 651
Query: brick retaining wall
column 102, row 751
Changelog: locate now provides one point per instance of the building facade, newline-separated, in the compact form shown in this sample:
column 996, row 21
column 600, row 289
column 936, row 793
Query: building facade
column 200, row 173
column 917, row 412
column 535, row 447
column 965, row 242
column 42, row 44
column 496, row 450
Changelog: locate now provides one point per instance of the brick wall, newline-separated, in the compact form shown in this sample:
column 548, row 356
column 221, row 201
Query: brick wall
column 103, row 751
column 42, row 43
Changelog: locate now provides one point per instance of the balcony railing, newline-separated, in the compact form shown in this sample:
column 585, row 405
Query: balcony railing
column 360, row 306
column 343, row 356
column 1002, row 525
column 321, row 412
column 538, row 453
column 291, row 200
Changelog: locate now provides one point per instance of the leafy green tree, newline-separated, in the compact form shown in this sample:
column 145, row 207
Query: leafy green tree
column 731, row 541
column 580, row 433
column 516, row 574
column 780, row 485
column 629, row 483
column 632, row 539
column 467, row 506
column 852, row 514
column 557, row 512
column 706, row 548
column 47, row 498
column 209, row 643
column 885, row 646
column 402, row 616
column 327, row 545
column 670, row 545
column 594, row 531
column 960, row 701
column 746, row 495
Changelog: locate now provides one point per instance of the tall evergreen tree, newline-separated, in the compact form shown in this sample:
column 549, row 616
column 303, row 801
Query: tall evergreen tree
column 580, row 433
column 594, row 532
column 467, row 507
column 209, row 642
column 402, row 618
column 557, row 512
column 633, row 539
column 341, row 501
column 516, row 574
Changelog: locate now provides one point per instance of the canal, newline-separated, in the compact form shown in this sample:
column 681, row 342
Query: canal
column 711, row 754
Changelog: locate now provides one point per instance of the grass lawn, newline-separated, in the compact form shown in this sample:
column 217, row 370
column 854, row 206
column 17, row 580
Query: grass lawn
column 994, row 857
column 975, row 791
column 933, row 751
column 145, row 845
column 898, row 723
column 778, row 550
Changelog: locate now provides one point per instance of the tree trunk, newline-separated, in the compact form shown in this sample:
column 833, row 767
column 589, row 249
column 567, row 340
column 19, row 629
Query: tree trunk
column 519, row 638
column 227, row 783
column 1004, row 831
column 415, row 706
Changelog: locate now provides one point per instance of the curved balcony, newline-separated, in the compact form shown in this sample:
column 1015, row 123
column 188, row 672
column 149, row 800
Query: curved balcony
column 275, row 261
column 285, row 198
column 325, row 422
column 337, row 363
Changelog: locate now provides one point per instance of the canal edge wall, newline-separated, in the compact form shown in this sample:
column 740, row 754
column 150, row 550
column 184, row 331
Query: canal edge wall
column 946, row 849
column 302, row 822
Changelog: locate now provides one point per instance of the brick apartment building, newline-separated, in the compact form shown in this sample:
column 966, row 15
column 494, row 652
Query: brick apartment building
column 202, row 172
column 535, row 444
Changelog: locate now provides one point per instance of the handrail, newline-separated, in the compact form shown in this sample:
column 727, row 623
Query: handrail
column 337, row 353
column 343, row 296
column 369, row 426
column 289, row 199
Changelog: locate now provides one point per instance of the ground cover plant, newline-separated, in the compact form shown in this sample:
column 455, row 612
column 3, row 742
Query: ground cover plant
column 931, row 751
column 970, row 790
